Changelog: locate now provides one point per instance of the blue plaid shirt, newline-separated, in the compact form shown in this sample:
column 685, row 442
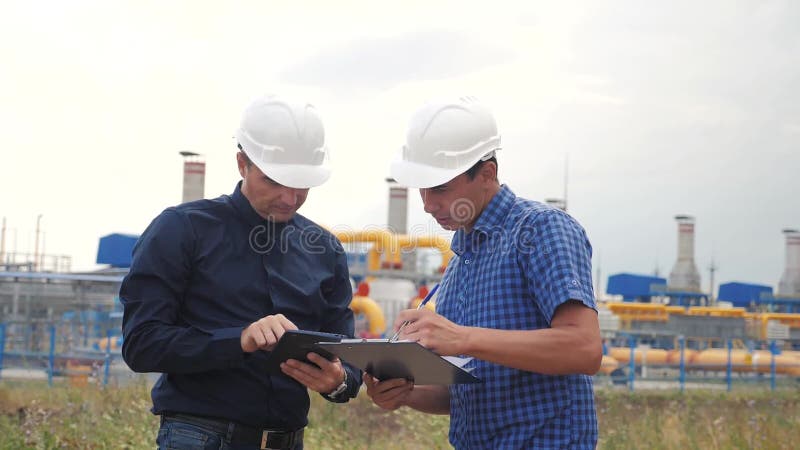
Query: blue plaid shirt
column 521, row 261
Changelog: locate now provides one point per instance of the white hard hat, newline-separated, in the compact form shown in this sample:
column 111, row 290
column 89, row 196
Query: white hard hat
column 286, row 141
column 445, row 139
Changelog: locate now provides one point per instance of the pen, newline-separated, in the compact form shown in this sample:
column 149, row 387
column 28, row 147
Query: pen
column 420, row 306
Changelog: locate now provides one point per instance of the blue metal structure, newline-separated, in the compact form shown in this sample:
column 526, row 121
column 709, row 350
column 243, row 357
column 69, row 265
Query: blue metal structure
column 743, row 294
column 633, row 287
column 116, row 249
column 780, row 304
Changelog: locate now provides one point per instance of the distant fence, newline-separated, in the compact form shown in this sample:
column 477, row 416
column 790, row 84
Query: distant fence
column 631, row 362
column 55, row 351
column 60, row 351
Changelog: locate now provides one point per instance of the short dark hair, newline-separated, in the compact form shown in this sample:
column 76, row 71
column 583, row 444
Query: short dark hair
column 244, row 155
column 472, row 171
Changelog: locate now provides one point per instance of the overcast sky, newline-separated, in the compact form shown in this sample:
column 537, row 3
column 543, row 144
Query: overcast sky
column 664, row 108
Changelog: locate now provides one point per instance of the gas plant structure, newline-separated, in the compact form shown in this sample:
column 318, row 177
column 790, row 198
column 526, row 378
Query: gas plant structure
column 671, row 323
column 67, row 322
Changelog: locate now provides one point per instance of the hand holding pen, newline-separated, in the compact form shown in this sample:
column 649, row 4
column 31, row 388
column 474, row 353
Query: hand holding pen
column 420, row 306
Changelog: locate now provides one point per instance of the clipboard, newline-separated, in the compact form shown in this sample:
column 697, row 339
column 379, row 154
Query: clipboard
column 296, row 344
column 386, row 360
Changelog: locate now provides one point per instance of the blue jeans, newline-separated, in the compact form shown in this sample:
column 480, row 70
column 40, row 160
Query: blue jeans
column 176, row 435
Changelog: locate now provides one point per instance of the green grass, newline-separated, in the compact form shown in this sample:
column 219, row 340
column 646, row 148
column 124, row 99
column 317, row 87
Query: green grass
column 699, row 419
column 35, row 416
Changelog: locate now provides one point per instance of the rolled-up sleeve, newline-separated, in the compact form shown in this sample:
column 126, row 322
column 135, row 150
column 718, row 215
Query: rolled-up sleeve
column 557, row 259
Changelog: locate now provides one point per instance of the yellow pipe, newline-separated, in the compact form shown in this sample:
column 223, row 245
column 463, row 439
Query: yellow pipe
column 406, row 242
column 608, row 365
column 674, row 309
column 674, row 355
column 417, row 300
column 393, row 245
column 744, row 361
column 367, row 306
column 373, row 259
column 651, row 355
column 382, row 240
column 716, row 312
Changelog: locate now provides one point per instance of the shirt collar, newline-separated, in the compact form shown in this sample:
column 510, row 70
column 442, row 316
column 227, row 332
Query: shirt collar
column 242, row 204
column 491, row 217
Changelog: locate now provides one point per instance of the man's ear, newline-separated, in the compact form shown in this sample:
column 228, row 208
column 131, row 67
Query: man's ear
column 241, row 162
column 488, row 171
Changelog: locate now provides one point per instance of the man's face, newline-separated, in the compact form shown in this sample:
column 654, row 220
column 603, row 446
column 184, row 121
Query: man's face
column 457, row 203
column 271, row 200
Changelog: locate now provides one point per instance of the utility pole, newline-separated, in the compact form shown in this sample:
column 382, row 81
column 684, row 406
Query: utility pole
column 711, row 269
column 36, row 244
column 3, row 243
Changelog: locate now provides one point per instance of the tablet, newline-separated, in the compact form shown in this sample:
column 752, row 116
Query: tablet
column 296, row 344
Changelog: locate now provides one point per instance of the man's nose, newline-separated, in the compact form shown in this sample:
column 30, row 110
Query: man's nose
column 427, row 202
column 289, row 196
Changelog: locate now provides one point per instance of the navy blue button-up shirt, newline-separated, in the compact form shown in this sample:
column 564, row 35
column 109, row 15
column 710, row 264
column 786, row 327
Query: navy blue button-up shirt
column 201, row 273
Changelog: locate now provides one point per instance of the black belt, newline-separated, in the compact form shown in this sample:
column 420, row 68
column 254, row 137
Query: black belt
column 242, row 434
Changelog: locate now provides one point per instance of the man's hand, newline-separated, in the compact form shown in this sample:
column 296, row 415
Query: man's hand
column 389, row 394
column 432, row 331
column 264, row 333
column 323, row 377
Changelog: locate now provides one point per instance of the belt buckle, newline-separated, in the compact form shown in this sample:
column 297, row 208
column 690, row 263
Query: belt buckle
column 280, row 436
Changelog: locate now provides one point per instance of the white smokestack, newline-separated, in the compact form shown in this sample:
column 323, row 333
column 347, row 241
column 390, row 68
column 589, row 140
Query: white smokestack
column 684, row 275
column 790, row 281
column 398, row 207
column 398, row 222
column 194, row 177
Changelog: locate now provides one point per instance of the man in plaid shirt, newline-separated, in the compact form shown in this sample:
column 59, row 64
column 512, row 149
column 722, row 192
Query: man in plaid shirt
column 517, row 297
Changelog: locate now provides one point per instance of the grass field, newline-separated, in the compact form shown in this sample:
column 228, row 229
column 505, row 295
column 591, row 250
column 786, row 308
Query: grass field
column 34, row 416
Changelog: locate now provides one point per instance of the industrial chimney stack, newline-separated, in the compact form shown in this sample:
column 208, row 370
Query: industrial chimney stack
column 790, row 281
column 194, row 177
column 684, row 275
column 398, row 207
column 397, row 221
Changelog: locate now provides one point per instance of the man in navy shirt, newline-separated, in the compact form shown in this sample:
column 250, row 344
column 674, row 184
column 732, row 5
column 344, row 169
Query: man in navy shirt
column 517, row 297
column 214, row 284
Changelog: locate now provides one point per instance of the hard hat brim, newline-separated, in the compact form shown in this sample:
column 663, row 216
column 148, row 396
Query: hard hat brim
column 296, row 176
column 415, row 175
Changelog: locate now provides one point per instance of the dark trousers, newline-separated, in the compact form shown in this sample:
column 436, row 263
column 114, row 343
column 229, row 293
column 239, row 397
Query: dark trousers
column 179, row 432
